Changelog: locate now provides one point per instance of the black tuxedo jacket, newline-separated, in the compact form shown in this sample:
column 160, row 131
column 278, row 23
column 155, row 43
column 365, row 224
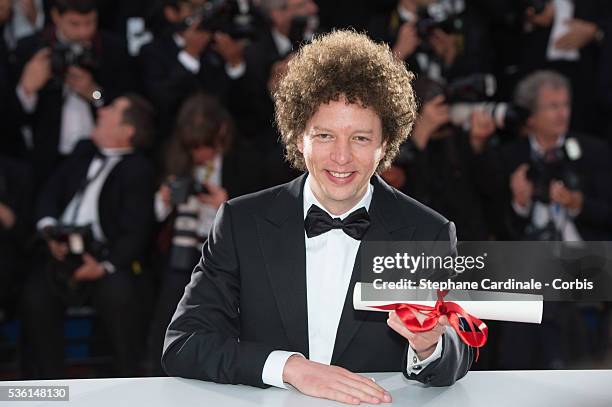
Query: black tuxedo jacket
column 247, row 295
column 125, row 206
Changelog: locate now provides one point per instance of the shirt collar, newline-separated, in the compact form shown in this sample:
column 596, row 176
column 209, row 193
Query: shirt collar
column 310, row 199
column 283, row 44
column 116, row 152
column 539, row 150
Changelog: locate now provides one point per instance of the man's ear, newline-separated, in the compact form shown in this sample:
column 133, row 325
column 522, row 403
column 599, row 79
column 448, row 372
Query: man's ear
column 300, row 143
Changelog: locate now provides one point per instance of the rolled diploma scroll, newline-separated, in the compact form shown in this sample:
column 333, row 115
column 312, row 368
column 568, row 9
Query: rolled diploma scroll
column 509, row 307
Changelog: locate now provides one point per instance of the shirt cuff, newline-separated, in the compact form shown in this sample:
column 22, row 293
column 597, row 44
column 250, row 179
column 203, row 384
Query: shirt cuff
column 416, row 366
column 28, row 102
column 272, row 373
column 235, row 72
column 44, row 222
column 522, row 211
column 189, row 62
column 161, row 210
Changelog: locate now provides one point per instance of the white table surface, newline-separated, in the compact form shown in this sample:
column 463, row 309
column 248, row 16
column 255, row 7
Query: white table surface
column 583, row 388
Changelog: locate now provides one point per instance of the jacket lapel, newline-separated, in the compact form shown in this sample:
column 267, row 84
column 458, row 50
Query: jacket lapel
column 383, row 215
column 281, row 236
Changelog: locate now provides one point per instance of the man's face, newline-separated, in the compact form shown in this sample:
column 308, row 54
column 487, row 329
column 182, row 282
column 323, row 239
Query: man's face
column 203, row 154
column 552, row 115
column 5, row 10
column 342, row 146
column 76, row 27
column 294, row 8
column 110, row 130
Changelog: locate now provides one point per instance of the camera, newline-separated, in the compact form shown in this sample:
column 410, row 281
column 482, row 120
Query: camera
column 472, row 93
column 78, row 238
column 232, row 17
column 75, row 54
column 182, row 187
column 556, row 165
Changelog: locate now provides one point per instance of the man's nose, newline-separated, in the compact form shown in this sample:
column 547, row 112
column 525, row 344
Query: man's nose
column 341, row 152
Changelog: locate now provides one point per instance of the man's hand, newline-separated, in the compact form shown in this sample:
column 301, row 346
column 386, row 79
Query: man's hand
column 444, row 45
column 37, row 72
column 433, row 115
column 482, row 127
column 230, row 49
column 82, row 82
column 215, row 197
column 579, row 34
column 59, row 250
column 7, row 217
column 90, row 270
column 572, row 200
column 407, row 41
column 332, row 382
column 423, row 343
column 544, row 19
column 522, row 188
column 196, row 40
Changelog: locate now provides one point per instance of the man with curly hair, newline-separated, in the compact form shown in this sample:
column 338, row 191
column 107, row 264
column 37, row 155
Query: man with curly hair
column 269, row 303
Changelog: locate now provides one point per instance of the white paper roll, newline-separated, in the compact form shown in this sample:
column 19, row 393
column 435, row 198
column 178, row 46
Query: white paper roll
column 511, row 307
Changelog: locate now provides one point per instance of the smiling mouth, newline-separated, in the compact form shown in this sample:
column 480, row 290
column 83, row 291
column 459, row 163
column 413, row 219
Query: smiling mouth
column 341, row 174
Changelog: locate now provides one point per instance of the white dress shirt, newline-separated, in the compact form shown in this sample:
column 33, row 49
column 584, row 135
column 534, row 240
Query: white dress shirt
column 330, row 258
column 87, row 211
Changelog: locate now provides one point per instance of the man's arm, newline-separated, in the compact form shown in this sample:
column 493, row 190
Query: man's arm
column 203, row 339
column 456, row 357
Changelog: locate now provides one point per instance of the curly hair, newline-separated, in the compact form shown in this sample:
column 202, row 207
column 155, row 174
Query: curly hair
column 349, row 65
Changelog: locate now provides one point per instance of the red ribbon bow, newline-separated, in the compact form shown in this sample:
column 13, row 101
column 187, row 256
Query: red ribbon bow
column 406, row 312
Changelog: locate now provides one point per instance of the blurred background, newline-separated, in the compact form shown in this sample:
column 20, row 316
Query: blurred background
column 126, row 124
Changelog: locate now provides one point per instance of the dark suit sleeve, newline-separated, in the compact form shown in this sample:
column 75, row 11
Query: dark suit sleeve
column 456, row 358
column 203, row 339
column 136, row 218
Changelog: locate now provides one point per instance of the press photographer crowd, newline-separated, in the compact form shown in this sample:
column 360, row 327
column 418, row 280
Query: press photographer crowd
column 127, row 123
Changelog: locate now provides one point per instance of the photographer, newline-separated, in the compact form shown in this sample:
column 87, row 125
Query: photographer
column 187, row 57
column 66, row 72
column 438, row 39
column 289, row 24
column 435, row 165
column 566, row 36
column 205, row 168
column 96, row 214
column 558, row 180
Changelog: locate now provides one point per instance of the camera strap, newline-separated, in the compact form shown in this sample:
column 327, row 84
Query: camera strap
column 78, row 197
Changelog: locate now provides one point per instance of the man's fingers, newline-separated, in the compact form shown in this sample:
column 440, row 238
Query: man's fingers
column 357, row 390
column 400, row 329
column 338, row 395
column 370, row 386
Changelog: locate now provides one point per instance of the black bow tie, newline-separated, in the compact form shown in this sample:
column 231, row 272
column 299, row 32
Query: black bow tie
column 318, row 222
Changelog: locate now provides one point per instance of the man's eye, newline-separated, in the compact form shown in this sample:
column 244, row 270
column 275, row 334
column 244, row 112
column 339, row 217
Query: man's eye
column 362, row 139
column 324, row 136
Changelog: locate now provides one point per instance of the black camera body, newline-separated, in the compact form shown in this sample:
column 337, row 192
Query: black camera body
column 64, row 56
column 228, row 16
column 555, row 166
column 182, row 187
